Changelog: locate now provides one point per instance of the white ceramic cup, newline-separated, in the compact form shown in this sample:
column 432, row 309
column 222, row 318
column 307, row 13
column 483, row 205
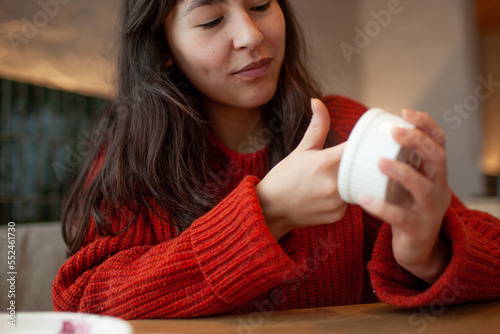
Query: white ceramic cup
column 370, row 140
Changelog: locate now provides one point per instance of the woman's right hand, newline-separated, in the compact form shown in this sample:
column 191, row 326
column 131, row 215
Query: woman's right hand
column 302, row 190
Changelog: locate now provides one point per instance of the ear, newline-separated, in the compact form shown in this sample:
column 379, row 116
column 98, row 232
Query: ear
column 166, row 57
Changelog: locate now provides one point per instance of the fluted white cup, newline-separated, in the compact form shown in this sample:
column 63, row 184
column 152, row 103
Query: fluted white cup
column 370, row 140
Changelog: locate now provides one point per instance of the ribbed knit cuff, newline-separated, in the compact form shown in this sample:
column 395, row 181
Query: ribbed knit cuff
column 467, row 277
column 391, row 282
column 472, row 265
column 235, row 250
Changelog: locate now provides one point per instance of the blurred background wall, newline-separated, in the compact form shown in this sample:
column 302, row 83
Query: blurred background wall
column 440, row 56
column 61, row 44
column 427, row 55
column 488, row 13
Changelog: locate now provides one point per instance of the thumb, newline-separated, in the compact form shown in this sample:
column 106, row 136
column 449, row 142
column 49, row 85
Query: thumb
column 315, row 136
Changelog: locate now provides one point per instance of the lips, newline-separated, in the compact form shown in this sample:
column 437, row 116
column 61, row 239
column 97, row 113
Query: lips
column 255, row 69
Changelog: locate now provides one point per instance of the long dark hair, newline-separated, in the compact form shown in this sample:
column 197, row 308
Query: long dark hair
column 153, row 142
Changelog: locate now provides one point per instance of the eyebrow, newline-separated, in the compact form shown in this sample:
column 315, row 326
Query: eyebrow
column 198, row 3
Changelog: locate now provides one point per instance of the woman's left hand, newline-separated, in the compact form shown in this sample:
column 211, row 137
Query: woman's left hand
column 417, row 241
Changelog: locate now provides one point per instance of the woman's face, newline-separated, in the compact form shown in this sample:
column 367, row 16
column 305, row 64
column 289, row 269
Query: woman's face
column 230, row 50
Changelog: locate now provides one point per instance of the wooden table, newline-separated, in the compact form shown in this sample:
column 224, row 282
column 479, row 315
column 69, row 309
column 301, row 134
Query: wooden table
column 478, row 318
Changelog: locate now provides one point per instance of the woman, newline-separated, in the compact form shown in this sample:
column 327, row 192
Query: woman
column 212, row 189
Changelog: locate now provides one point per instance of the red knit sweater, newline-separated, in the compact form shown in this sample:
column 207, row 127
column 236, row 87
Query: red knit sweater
column 228, row 261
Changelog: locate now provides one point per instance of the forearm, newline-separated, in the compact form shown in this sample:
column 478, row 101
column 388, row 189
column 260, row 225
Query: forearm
column 473, row 272
column 226, row 258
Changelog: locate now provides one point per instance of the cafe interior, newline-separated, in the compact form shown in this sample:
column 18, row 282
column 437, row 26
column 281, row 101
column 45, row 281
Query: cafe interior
column 56, row 75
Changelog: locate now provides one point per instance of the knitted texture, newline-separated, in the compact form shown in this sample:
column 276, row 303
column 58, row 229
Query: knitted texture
column 227, row 261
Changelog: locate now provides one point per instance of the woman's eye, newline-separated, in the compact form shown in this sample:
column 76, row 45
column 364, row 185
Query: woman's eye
column 262, row 8
column 212, row 24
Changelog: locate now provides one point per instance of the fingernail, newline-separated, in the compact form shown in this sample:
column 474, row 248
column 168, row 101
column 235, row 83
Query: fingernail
column 384, row 164
column 401, row 132
column 312, row 105
column 409, row 112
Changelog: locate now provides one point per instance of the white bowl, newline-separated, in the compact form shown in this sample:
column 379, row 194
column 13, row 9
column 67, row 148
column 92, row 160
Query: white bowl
column 63, row 323
column 370, row 140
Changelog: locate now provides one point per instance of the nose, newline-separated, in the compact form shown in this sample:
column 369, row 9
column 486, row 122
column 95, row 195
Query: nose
column 246, row 33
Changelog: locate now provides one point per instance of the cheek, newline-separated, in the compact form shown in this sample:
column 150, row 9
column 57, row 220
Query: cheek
column 201, row 56
column 275, row 32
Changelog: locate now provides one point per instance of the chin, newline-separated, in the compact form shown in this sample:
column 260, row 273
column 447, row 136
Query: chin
column 260, row 98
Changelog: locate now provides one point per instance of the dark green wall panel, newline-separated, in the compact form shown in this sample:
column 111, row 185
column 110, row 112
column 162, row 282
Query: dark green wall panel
column 42, row 145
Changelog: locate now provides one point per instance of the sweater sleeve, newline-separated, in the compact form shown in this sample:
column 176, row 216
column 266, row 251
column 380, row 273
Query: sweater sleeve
column 472, row 274
column 226, row 258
